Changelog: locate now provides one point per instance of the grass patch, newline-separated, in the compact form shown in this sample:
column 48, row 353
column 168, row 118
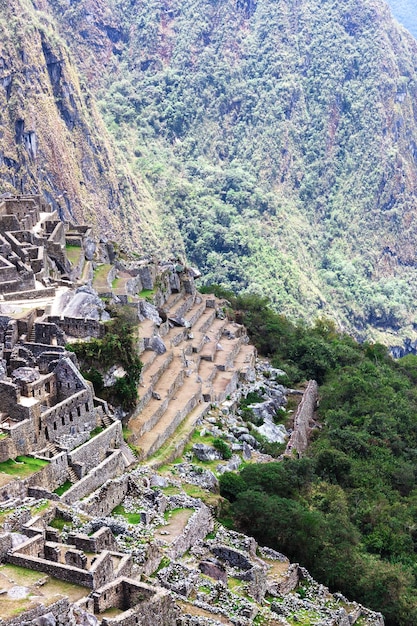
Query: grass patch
column 147, row 294
column 59, row 522
column 100, row 276
column 63, row 488
column 132, row 518
column 96, row 431
column 73, row 253
column 41, row 507
column 22, row 466
column 171, row 490
column 4, row 435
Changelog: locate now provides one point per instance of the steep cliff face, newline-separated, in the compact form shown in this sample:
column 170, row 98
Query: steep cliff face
column 53, row 140
column 278, row 140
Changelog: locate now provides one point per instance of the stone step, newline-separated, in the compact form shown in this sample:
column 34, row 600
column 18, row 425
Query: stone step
column 207, row 371
column 215, row 331
column 208, row 352
column 224, row 384
column 206, row 320
column 146, row 331
column 150, row 377
column 225, row 357
column 171, row 302
column 154, row 408
column 245, row 360
column 128, row 456
column 196, row 312
column 183, row 307
column 106, row 420
column 177, row 335
column 177, row 411
column 198, row 340
column 182, row 435
column 147, row 358
column 72, row 476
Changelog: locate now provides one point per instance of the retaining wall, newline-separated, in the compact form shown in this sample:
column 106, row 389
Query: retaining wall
column 110, row 467
column 94, row 451
column 198, row 526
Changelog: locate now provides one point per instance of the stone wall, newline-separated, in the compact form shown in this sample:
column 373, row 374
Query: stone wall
column 102, row 539
column 23, row 436
column 198, row 526
column 13, row 490
column 105, row 499
column 57, row 570
column 94, row 451
column 32, row 294
column 60, row 611
column 75, row 414
column 7, row 449
column 10, row 401
column 49, row 333
column 52, row 475
column 285, row 584
column 303, row 417
column 33, row 547
column 5, row 545
column 112, row 466
column 141, row 603
column 79, row 327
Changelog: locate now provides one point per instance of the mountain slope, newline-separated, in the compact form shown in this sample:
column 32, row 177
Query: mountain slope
column 53, row 138
column 278, row 139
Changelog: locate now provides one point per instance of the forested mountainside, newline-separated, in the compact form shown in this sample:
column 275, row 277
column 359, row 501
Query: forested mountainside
column 278, row 140
column 53, row 140
column 405, row 12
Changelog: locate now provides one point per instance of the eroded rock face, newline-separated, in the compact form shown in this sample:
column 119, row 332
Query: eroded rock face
column 85, row 303
column 206, row 453
column 147, row 311
column 45, row 620
column 89, row 248
column 157, row 345
column 276, row 433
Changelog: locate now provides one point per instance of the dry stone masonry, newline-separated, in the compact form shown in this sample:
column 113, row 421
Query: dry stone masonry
column 90, row 535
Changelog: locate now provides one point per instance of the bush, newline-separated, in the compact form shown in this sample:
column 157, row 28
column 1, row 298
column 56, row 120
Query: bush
column 223, row 448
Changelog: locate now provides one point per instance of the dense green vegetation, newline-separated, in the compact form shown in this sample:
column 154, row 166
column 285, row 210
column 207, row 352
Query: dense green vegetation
column 118, row 346
column 277, row 139
column 347, row 510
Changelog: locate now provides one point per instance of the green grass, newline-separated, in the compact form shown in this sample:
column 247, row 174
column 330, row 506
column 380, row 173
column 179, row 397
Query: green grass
column 22, row 466
column 4, row 435
column 73, row 253
column 58, row 523
column 100, row 276
column 96, row 431
column 147, row 294
column 63, row 488
column 132, row 518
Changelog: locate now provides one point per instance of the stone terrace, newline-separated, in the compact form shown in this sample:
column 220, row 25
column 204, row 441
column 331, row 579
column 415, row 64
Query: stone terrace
column 192, row 359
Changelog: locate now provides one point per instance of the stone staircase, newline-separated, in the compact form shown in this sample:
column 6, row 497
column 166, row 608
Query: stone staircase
column 52, row 448
column 205, row 356
column 72, row 476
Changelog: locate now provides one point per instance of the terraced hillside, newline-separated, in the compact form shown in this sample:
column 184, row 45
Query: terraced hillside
column 198, row 361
